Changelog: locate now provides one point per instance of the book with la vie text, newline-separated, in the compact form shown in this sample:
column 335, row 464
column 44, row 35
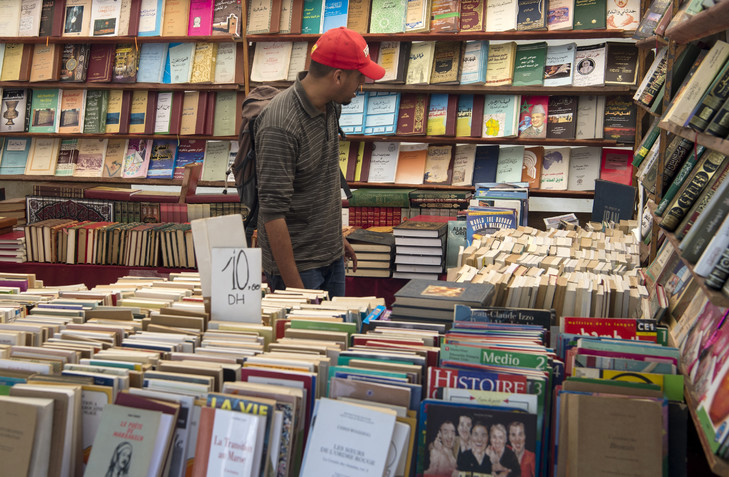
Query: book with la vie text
column 412, row 117
column 500, row 64
column 555, row 168
column 562, row 118
column 439, row 164
column 529, row 64
column 501, row 115
column 128, row 434
column 411, row 163
column 446, row 62
column 531, row 170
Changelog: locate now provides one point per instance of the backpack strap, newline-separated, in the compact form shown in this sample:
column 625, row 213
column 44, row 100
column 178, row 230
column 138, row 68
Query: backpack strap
column 342, row 179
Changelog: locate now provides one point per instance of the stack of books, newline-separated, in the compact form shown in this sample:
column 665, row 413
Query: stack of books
column 426, row 300
column 420, row 248
column 374, row 253
column 12, row 247
column 13, row 208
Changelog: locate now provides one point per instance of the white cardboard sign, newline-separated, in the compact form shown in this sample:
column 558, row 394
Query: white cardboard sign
column 236, row 284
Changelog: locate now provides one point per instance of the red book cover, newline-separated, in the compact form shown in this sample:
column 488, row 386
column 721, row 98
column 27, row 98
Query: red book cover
column 297, row 13
column 210, row 115
column 412, row 117
column 472, row 15
column 365, row 171
column 125, row 110
column 134, row 10
column 445, row 16
column 109, row 193
column 101, row 63
column 201, row 18
column 475, row 380
column 176, row 112
column 477, row 115
column 617, row 165
column 202, row 111
column 151, row 115
column 623, row 328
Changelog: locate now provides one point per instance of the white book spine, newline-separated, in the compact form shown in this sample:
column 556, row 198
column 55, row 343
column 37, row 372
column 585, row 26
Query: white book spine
column 713, row 251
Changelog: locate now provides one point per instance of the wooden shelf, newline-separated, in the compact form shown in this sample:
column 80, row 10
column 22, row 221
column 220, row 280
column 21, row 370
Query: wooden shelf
column 703, row 24
column 115, row 39
column 647, row 109
column 487, row 140
column 131, row 86
column 93, row 180
column 717, row 298
column 652, row 42
column 121, row 136
column 573, row 194
column 712, row 142
column 463, row 36
column 481, row 89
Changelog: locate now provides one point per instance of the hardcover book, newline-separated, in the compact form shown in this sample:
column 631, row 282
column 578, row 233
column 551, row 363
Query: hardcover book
column 533, row 116
column 589, row 65
column 584, row 168
column 51, row 18
column 532, row 15
column 501, row 115
column 622, row 64
column 559, row 65
column 439, row 165
column 555, row 169
column 652, row 18
column 101, row 63
column 590, row 15
column 443, row 294
column 562, row 117
column 413, row 114
column 74, row 62
column 472, row 15
column 613, row 201
column 446, row 62
column 529, row 64
column 484, row 169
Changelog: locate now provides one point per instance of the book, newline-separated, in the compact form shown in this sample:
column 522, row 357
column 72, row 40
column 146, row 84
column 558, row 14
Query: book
column 383, row 162
column 590, row 15
column 584, row 168
column 334, row 15
column 43, row 156
column 311, row 17
column 562, row 117
column 613, row 201
column 67, row 156
column 464, row 159
column 510, row 163
column 152, row 59
column 445, row 16
column 420, row 62
column 560, row 15
column 442, row 111
column 381, row 112
column 412, row 116
column 587, row 114
column 162, row 159
column 227, row 18
column 589, row 65
column 91, row 155
column 15, row 156
column 446, row 62
column 559, row 65
column 411, row 163
column 388, row 16
column 438, row 165
column 555, row 169
column 622, row 15
column 619, row 119
column 180, row 59
column 200, row 19
column 529, row 64
column 74, row 62
column 652, row 18
column 501, row 15
column 472, row 15
column 393, row 57
column 501, row 115
column 175, row 18
column 358, row 18
column 473, row 65
column 126, row 60
column 443, row 294
column 105, row 17
column 10, row 23
column 13, row 110
column 77, row 20
column 142, row 112
column 17, row 62
column 271, row 61
column 532, row 15
column 532, row 120
column 101, row 63
column 622, row 64
column 151, row 13
column 136, row 158
column 45, row 110
column 469, row 115
column 531, row 171
column 73, row 103
column 46, row 63
column 500, row 64
column 616, row 165
column 711, row 101
column 114, row 159
column 95, row 111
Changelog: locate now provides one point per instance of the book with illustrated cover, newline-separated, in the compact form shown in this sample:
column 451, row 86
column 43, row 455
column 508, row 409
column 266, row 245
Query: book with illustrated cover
column 105, row 17
column 501, row 115
column 559, row 65
column 67, row 156
column 446, row 62
column 623, row 15
column 619, row 119
column 75, row 62
column 15, row 156
column 387, row 16
column 114, row 160
column 14, row 110
column 420, row 62
column 126, row 61
column 45, row 110
column 562, row 117
column 162, row 159
column 91, row 155
column 469, row 115
column 438, row 165
column 136, row 158
column 533, row 116
column 589, row 65
column 555, row 169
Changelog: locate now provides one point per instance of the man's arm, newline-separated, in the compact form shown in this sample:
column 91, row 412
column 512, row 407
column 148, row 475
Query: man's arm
column 279, row 240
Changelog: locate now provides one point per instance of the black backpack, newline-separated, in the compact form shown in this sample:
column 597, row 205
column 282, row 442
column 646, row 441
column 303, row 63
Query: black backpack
column 244, row 165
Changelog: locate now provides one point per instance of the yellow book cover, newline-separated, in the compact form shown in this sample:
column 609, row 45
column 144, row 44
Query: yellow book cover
column 72, row 111
column 343, row 155
column 138, row 113
column 115, row 150
column 500, row 65
column 189, row 112
column 12, row 61
column 46, row 62
column 358, row 17
column 360, row 157
column 43, row 155
column 175, row 19
column 203, row 65
column 113, row 111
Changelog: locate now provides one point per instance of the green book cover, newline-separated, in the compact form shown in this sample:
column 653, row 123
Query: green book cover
column 388, row 16
column 95, row 114
column 529, row 64
column 493, row 357
column 380, row 198
column 44, row 111
column 590, row 15
column 225, row 114
column 348, row 328
column 455, row 238
column 311, row 19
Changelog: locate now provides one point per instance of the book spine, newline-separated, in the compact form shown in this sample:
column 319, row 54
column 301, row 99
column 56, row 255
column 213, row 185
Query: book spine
column 711, row 102
column 683, row 202
column 701, row 203
column 646, row 145
column 719, row 126
column 714, row 249
column 719, row 274
column 678, row 182
column 673, row 162
column 705, row 227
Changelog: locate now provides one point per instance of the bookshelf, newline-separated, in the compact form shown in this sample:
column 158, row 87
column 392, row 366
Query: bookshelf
column 700, row 27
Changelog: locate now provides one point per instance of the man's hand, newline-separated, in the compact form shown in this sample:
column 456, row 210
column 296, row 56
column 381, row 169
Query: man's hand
column 349, row 255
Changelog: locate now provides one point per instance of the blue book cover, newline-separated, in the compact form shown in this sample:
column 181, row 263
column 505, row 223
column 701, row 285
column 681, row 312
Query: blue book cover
column 500, row 115
column 15, row 155
column 189, row 152
column 152, row 61
column 487, row 158
column 488, row 220
column 167, row 73
column 162, row 161
column 150, row 17
column 353, row 115
column 311, row 21
column 335, row 14
column 473, row 69
column 381, row 112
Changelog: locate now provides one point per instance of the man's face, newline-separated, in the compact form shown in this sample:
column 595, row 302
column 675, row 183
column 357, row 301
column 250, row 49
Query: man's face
column 516, row 437
column 349, row 82
column 537, row 119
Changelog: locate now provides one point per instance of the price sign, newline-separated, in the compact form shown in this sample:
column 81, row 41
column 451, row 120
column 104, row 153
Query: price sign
column 236, row 284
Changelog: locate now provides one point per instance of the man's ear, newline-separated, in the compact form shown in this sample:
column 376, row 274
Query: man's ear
column 338, row 76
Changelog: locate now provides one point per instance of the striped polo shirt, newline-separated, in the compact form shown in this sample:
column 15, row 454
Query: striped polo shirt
column 297, row 161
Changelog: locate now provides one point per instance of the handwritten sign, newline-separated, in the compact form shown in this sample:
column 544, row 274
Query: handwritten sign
column 236, row 284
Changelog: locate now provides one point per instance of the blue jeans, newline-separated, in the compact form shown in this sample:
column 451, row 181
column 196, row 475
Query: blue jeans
column 329, row 278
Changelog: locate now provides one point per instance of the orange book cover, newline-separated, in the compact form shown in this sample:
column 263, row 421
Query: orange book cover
column 411, row 163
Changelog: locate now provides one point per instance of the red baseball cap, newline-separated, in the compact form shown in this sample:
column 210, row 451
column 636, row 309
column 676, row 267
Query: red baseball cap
column 347, row 50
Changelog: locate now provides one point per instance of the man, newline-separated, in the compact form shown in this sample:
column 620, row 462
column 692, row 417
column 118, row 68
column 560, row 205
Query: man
column 527, row 458
column 537, row 128
column 297, row 160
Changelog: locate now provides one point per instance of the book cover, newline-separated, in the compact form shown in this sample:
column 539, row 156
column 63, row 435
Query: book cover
column 216, row 160
column 393, row 57
column 114, row 111
column 589, row 65
column 388, row 16
column 139, row 110
column 43, row 156
column 67, row 157
column 352, row 118
column 622, row 64
column 442, row 111
column 533, row 116
column 114, row 160
column 464, row 160
column 227, row 18
column 617, row 165
column 562, row 117
column 487, row 157
column 510, row 163
column 446, row 62
column 560, row 14
column 180, row 57
column 555, row 169
column 445, row 16
column 383, row 162
column 532, row 15
column 500, row 64
column 225, row 112
column 501, row 115
column 189, row 151
column 152, row 59
column 73, row 102
column 487, row 220
column 162, row 159
column 411, row 163
column 472, row 15
column 501, row 15
column 200, row 19
column 45, row 110
column 613, row 201
column 15, row 156
column 381, row 112
column 203, row 65
column 559, row 65
column 412, row 117
column 101, row 63
column 619, row 119
column 13, row 110
column 652, row 18
column 469, row 115
column 335, row 14
column 150, row 17
column 46, row 63
column 439, row 165
column 584, row 168
column 77, row 19
column 473, row 65
column 105, row 17
column 623, row 15
column 91, row 155
column 136, row 158
column 531, row 171
column 587, row 112
column 311, row 17
column 175, row 18
column 74, row 62
column 97, row 102
column 420, row 62
column 271, row 61
column 126, row 60
column 529, row 64
column 590, row 15
column 358, row 18
column 51, row 18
